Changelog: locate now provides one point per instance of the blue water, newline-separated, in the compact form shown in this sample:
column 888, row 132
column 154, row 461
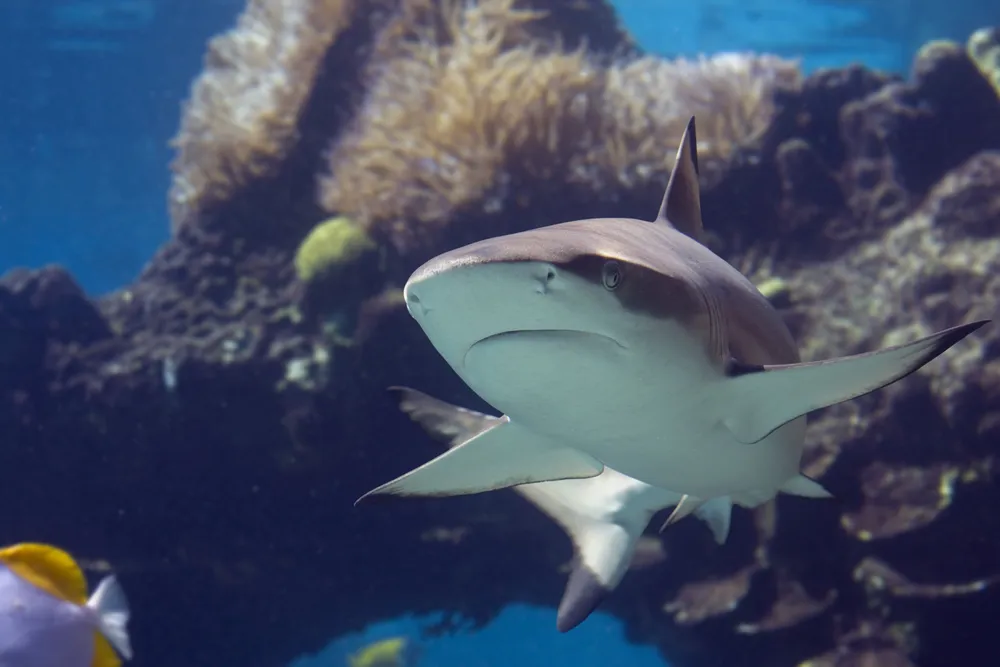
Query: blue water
column 93, row 90
column 92, row 94
column 598, row 641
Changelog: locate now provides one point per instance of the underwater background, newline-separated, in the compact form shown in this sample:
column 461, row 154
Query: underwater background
column 195, row 398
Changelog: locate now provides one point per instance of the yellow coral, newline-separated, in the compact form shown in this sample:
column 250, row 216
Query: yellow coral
column 647, row 104
column 984, row 49
column 335, row 243
column 774, row 288
column 463, row 112
column 242, row 119
column 443, row 122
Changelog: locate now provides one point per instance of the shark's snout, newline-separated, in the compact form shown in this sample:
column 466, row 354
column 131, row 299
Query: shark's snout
column 476, row 287
column 412, row 299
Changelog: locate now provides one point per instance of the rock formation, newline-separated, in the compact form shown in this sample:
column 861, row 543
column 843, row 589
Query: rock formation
column 205, row 430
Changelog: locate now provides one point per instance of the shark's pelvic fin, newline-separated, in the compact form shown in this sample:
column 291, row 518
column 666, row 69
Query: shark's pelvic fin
column 445, row 422
column 764, row 400
column 498, row 457
column 681, row 205
column 800, row 485
column 603, row 544
column 716, row 512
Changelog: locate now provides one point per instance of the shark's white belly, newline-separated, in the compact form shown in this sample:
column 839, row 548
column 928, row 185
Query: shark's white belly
column 659, row 420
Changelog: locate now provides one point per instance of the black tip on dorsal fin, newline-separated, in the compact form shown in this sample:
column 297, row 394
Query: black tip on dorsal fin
column 681, row 205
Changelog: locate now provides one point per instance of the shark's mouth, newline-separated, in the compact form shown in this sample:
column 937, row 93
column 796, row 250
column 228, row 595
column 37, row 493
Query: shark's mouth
column 541, row 336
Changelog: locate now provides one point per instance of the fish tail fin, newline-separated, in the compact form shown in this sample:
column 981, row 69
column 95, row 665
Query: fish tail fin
column 111, row 606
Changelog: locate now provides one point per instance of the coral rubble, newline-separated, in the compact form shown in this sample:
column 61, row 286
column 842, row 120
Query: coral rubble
column 206, row 429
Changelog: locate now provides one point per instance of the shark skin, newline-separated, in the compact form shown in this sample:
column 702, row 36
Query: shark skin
column 604, row 516
column 629, row 344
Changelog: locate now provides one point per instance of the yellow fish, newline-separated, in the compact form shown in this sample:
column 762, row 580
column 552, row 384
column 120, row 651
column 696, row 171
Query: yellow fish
column 46, row 618
column 392, row 652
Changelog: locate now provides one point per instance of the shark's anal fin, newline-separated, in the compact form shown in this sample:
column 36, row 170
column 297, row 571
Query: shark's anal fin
column 681, row 205
column 766, row 399
column 498, row 457
column 716, row 512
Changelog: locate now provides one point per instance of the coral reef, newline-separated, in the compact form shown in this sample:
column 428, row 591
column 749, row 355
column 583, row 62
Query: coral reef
column 470, row 120
column 339, row 267
column 205, row 430
column 332, row 245
column 244, row 117
column 984, row 49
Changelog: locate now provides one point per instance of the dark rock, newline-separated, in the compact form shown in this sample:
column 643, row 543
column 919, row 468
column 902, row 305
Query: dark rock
column 967, row 201
column 207, row 439
column 810, row 190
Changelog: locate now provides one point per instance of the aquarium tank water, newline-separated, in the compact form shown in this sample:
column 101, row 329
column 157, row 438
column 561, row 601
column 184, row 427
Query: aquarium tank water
column 208, row 212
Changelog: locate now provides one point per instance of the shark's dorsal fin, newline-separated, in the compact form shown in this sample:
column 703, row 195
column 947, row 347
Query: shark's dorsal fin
column 681, row 205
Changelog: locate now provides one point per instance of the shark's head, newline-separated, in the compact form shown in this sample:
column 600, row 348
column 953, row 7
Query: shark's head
column 532, row 316
column 591, row 310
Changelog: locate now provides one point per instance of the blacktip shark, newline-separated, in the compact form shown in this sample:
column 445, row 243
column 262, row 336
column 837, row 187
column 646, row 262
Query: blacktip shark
column 629, row 344
column 604, row 516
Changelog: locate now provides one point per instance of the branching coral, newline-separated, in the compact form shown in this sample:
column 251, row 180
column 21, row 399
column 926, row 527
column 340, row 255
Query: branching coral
column 452, row 113
column 647, row 104
column 984, row 49
column 243, row 116
column 332, row 244
column 463, row 112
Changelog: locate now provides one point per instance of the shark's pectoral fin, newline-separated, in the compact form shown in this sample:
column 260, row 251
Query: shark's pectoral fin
column 763, row 398
column 498, row 457
column 800, row 485
column 716, row 512
column 604, row 550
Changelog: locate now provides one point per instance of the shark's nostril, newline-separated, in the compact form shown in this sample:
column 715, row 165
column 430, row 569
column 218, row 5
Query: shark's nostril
column 413, row 303
column 545, row 279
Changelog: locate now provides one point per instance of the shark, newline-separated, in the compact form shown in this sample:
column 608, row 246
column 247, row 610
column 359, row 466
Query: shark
column 628, row 345
column 604, row 516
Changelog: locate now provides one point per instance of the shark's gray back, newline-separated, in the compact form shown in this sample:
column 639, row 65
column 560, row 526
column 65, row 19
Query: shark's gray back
column 756, row 332
column 741, row 321
column 678, row 278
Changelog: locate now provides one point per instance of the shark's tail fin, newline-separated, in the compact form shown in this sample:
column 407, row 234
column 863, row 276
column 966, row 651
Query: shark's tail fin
column 593, row 511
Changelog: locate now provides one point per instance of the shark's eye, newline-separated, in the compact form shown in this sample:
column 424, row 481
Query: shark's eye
column 611, row 274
